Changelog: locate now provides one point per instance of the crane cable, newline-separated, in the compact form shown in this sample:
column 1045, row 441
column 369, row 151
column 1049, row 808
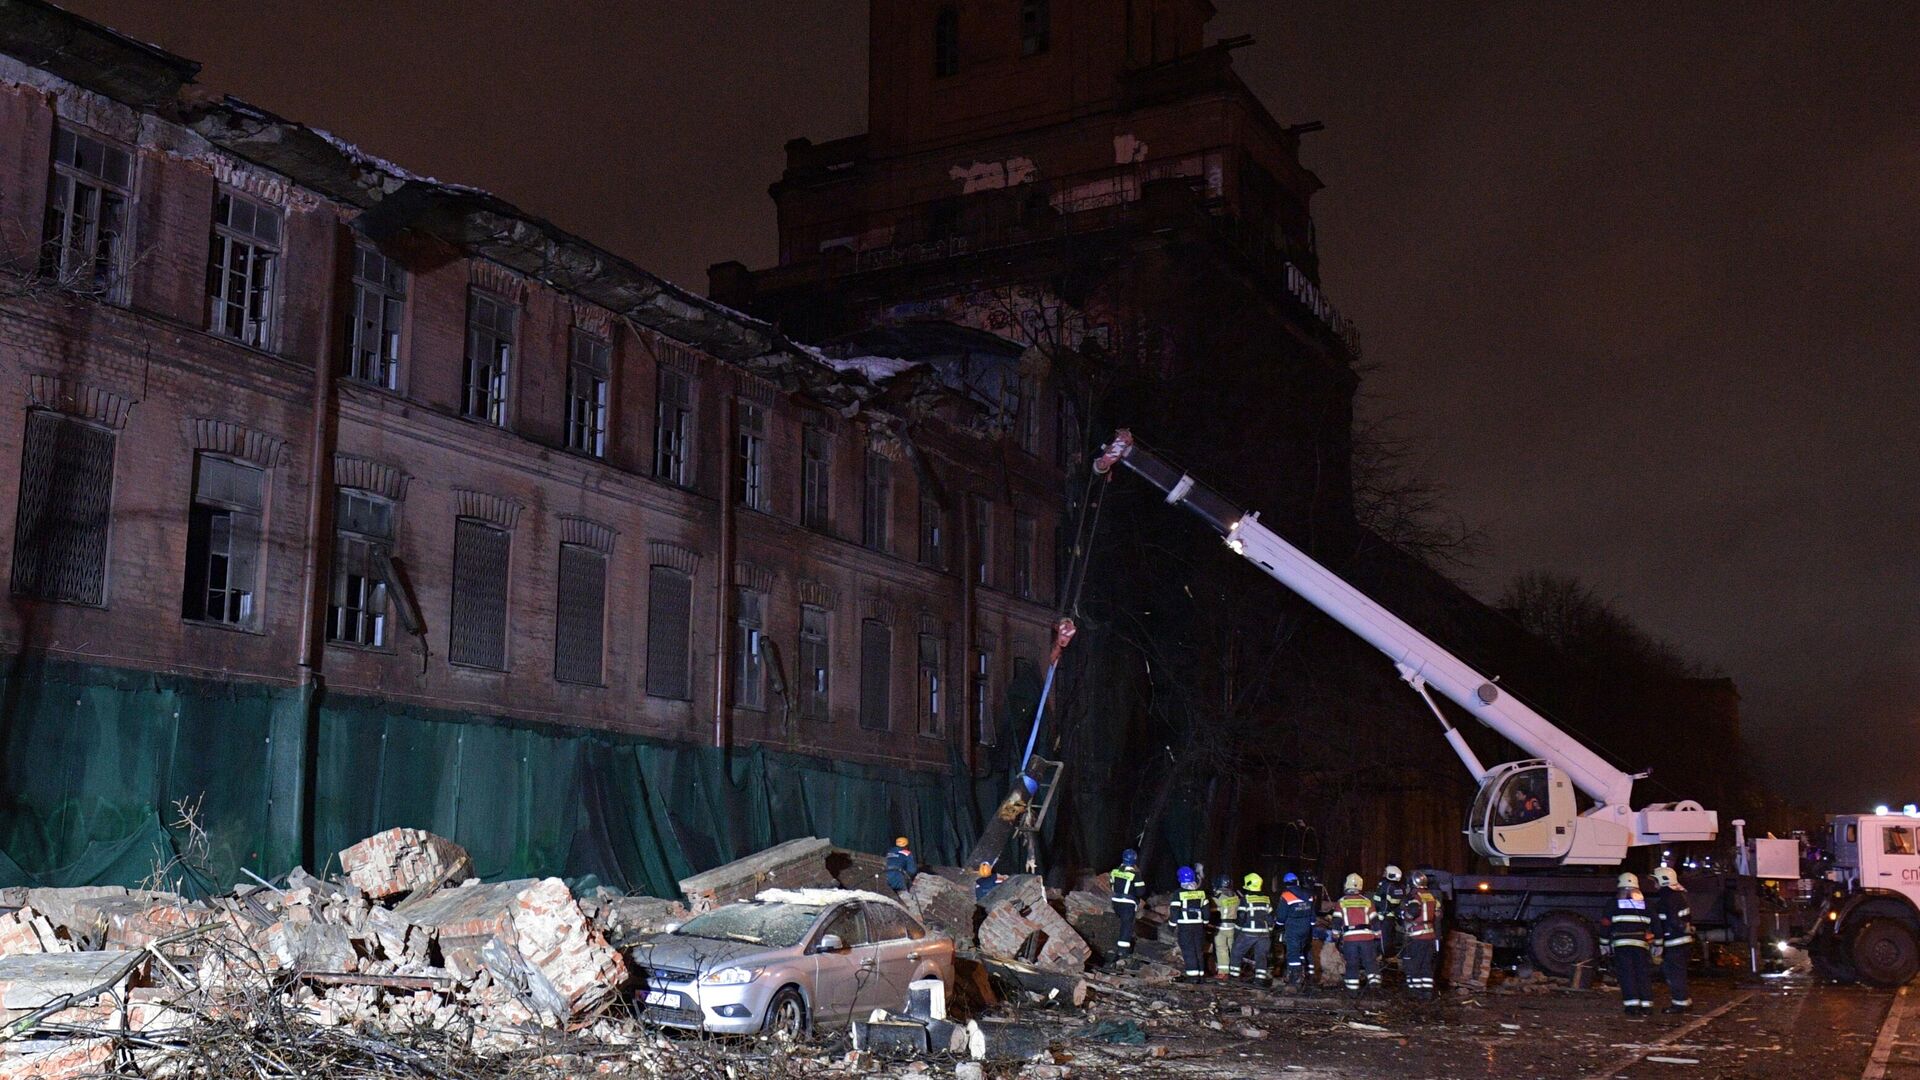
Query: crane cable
column 1083, row 533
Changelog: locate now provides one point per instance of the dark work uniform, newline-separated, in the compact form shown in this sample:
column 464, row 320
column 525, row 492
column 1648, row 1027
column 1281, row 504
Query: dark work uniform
column 1388, row 898
column 1627, row 928
column 1296, row 922
column 901, row 867
column 1189, row 914
column 1420, row 918
column 1358, row 924
column 1253, row 938
column 1673, row 929
column 1126, row 906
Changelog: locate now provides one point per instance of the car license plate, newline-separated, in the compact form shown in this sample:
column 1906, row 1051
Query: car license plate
column 663, row 999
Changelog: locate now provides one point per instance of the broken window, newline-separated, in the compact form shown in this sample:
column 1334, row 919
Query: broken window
column 87, row 196
column 933, row 533
column 749, row 657
column 1024, row 540
column 588, row 372
column 379, row 306
column 816, row 469
column 669, row 628
column 982, row 541
column 1026, row 414
column 946, row 41
column 580, row 620
column 879, row 502
column 933, row 683
column 749, row 477
column 983, row 722
column 66, row 496
column 673, row 427
column 243, row 269
column 814, row 664
column 479, row 623
column 1036, row 31
column 223, row 542
column 876, row 674
column 363, row 545
column 489, row 353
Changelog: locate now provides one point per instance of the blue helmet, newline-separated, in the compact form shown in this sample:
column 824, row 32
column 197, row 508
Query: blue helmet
column 1290, row 879
column 1188, row 879
column 1129, row 857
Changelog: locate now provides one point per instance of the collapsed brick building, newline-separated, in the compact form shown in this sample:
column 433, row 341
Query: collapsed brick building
column 341, row 497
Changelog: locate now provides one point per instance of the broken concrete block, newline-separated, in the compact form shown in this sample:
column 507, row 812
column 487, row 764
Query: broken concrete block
column 796, row 864
column 27, row 931
column 404, row 860
column 31, row 980
column 77, row 1058
column 462, row 920
column 943, row 906
column 553, row 934
column 311, row 946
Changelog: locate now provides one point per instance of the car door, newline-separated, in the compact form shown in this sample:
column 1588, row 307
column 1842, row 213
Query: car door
column 896, row 956
column 840, row 974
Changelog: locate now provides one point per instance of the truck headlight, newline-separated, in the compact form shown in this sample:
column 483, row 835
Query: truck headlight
column 732, row 976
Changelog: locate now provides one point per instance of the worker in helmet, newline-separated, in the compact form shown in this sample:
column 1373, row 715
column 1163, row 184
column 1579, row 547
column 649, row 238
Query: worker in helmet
column 1420, row 919
column 901, row 866
column 1357, row 922
column 1629, row 929
column 1388, row 898
column 986, row 882
column 1189, row 914
column 1253, row 937
column 1127, row 886
column 1295, row 913
column 1673, row 932
column 1226, row 909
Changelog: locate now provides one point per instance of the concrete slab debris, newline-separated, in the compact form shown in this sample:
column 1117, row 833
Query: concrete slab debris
column 33, row 980
column 796, row 864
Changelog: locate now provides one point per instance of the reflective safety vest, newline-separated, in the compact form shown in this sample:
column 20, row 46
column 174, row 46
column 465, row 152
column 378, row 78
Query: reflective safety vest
column 1421, row 916
column 1629, row 923
column 1389, row 898
column 1227, row 904
column 1672, row 918
column 1190, row 908
column 1126, row 886
column 1357, row 916
column 1256, row 913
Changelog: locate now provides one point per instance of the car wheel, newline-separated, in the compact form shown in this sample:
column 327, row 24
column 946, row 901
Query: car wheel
column 787, row 1014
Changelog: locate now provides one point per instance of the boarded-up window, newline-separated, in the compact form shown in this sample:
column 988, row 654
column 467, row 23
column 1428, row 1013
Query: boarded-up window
column 669, row 626
column 479, row 623
column 579, row 631
column 815, row 670
column 876, row 674
column 66, row 495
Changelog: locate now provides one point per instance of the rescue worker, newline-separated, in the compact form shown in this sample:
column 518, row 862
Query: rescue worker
column 1673, row 932
column 1628, row 930
column 1357, row 922
column 1387, row 900
column 1420, row 919
column 901, row 866
column 1189, row 914
column 1253, row 937
column 1226, row 908
column 1295, row 906
column 985, row 883
column 1127, row 886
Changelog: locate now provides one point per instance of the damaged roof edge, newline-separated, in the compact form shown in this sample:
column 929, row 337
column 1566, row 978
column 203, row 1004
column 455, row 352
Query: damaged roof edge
column 96, row 57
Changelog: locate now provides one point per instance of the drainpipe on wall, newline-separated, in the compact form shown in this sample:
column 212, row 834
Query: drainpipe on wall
column 318, row 548
column 723, row 578
column 969, row 629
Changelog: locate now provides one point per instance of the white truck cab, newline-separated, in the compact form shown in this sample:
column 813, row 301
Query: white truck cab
column 1871, row 925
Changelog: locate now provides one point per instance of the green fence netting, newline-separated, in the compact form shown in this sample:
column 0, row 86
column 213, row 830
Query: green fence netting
column 95, row 759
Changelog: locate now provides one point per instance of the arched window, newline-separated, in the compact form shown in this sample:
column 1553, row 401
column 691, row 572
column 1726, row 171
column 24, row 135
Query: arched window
column 946, row 42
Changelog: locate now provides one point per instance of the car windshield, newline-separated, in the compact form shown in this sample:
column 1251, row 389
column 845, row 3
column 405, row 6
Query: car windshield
column 777, row 926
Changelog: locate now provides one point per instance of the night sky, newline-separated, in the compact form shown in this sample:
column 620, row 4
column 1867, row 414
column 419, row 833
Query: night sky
column 1645, row 285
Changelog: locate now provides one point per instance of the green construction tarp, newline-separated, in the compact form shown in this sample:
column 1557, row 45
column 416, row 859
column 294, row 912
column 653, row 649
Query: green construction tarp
column 93, row 762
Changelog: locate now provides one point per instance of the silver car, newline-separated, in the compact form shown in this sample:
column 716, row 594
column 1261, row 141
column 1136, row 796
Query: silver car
column 788, row 960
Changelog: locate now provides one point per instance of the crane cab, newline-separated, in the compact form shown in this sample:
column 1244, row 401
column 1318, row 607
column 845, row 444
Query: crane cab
column 1525, row 811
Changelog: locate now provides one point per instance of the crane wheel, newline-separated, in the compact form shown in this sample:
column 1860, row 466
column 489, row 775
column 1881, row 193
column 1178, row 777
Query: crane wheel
column 1885, row 952
column 1561, row 941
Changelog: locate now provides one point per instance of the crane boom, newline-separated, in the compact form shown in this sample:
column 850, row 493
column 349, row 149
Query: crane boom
column 1599, row 835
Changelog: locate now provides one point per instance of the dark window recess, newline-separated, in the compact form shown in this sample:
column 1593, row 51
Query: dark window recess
column 588, row 373
column 66, row 495
column 876, row 674
column 1036, row 30
column 815, row 667
column 363, row 547
column 933, row 683
column 669, row 628
column 1024, row 544
column 489, row 355
column 816, row 472
column 1066, row 429
column 223, row 543
column 946, row 41
column 933, row 533
column 379, row 308
column 750, row 438
column 479, row 622
column 878, row 506
column 87, row 195
column 749, row 658
column 673, row 428
column 1026, row 414
column 580, row 610
column 982, row 541
column 243, row 267
column 984, row 723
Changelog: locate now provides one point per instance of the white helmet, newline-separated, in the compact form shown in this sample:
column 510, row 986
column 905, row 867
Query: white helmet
column 1393, row 873
column 1629, row 881
column 1664, row 877
column 1355, row 883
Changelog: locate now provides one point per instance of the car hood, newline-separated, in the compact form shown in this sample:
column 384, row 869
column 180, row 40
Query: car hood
column 681, row 952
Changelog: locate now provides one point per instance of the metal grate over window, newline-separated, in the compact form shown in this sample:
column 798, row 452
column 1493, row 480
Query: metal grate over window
column 876, row 674
column 579, row 634
column 66, row 495
column 479, row 622
column 669, row 629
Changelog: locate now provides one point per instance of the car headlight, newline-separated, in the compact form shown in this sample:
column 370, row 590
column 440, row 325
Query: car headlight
column 732, row 976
